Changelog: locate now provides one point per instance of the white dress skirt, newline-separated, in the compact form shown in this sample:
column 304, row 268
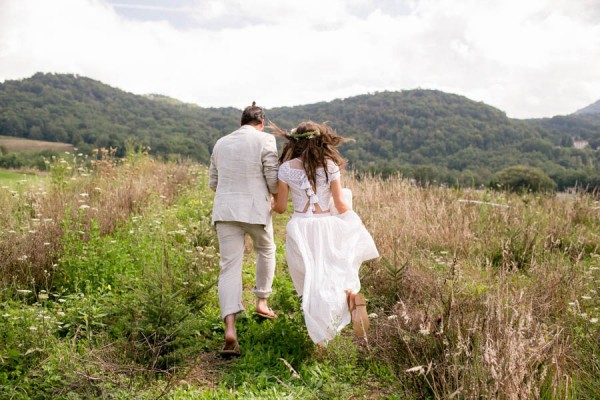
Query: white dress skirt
column 324, row 254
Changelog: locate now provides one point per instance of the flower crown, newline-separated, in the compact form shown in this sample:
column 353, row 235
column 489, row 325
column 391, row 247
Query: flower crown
column 304, row 135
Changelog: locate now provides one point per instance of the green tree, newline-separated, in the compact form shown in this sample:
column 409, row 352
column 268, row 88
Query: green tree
column 520, row 178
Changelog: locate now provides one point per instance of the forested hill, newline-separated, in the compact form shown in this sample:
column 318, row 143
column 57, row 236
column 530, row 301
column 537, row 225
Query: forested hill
column 435, row 136
column 88, row 113
column 584, row 127
column 429, row 132
column 426, row 134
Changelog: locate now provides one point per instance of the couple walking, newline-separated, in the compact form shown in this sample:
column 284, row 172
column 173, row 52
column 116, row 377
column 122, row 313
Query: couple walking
column 326, row 241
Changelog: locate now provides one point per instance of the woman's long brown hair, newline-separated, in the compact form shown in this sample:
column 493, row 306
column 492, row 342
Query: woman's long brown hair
column 314, row 151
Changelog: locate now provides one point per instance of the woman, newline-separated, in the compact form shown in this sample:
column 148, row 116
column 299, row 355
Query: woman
column 324, row 251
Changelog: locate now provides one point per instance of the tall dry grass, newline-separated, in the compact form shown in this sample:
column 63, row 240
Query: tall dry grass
column 34, row 219
column 472, row 289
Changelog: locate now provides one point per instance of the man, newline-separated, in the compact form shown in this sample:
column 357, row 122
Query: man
column 243, row 172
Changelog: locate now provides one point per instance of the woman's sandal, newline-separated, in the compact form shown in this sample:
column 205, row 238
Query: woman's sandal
column 360, row 318
column 358, row 310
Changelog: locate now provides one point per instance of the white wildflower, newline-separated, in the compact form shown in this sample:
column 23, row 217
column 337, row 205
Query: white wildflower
column 373, row 316
column 392, row 317
column 593, row 320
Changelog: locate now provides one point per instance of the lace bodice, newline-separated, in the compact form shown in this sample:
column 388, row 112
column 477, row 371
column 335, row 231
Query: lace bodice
column 292, row 173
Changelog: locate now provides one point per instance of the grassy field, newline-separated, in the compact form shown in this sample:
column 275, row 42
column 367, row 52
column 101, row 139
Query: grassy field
column 15, row 144
column 16, row 180
column 108, row 290
column 13, row 178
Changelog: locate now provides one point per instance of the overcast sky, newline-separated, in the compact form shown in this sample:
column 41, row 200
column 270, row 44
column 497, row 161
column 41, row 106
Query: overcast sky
column 529, row 58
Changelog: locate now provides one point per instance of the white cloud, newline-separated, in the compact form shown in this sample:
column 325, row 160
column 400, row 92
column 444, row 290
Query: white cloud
column 530, row 59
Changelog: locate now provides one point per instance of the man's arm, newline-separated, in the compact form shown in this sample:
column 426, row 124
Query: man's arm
column 213, row 176
column 270, row 163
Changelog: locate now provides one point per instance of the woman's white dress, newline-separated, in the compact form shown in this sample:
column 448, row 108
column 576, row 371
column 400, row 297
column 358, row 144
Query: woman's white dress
column 324, row 251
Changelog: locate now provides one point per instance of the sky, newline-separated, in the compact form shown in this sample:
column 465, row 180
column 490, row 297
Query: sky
column 528, row 58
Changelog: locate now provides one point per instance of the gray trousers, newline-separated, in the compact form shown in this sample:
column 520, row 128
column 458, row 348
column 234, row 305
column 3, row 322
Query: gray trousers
column 231, row 236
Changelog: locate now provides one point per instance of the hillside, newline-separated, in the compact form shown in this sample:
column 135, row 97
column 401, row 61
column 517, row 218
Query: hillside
column 583, row 124
column 425, row 134
column 86, row 113
column 591, row 109
column 436, row 133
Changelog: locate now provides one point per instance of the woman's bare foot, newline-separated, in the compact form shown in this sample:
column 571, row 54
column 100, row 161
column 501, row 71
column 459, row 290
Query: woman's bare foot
column 350, row 299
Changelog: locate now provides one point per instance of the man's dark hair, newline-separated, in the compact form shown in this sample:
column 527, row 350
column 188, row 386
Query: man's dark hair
column 253, row 115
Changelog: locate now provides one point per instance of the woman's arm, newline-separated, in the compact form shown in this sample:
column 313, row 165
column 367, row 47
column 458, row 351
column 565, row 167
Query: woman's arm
column 281, row 198
column 338, row 196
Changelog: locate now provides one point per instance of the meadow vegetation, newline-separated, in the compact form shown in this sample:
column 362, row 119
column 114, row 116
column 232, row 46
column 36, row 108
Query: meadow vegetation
column 108, row 271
